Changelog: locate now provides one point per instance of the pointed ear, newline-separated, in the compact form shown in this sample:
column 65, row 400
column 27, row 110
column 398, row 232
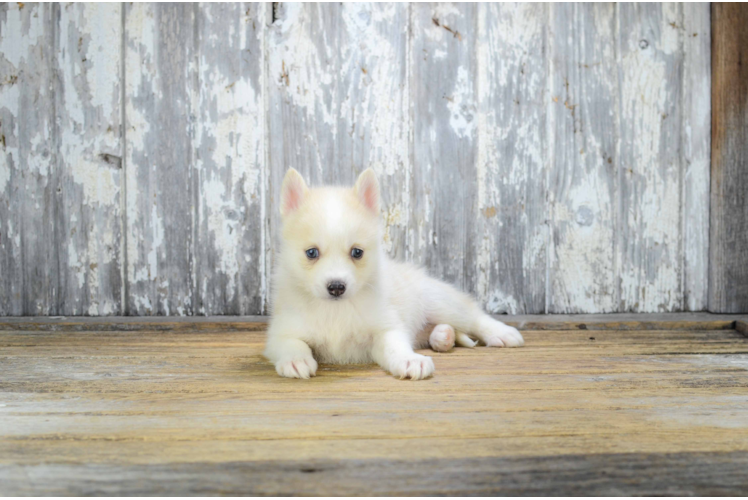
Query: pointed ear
column 293, row 191
column 367, row 190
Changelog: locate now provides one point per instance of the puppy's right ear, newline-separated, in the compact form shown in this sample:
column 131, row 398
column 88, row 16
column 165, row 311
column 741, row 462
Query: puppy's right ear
column 293, row 191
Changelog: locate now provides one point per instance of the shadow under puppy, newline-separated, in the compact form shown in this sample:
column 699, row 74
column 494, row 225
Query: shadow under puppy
column 338, row 298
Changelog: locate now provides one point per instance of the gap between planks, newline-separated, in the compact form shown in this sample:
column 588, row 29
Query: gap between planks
column 656, row 321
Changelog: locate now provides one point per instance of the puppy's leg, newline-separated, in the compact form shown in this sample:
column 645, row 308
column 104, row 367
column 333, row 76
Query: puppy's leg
column 446, row 304
column 393, row 351
column 292, row 357
column 442, row 338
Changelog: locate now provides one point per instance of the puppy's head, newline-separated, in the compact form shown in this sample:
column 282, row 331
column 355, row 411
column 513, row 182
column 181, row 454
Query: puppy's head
column 330, row 236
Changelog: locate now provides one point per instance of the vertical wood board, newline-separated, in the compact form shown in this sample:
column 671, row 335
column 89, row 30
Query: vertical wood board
column 650, row 239
column 728, row 251
column 160, row 113
column 29, row 179
column 583, row 180
column 230, row 159
column 442, row 89
column 88, row 114
column 510, row 237
column 696, row 137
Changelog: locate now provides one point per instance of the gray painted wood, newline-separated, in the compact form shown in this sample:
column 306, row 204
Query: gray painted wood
column 511, row 237
column 583, row 184
column 442, row 90
column 545, row 158
column 160, row 89
column 29, row 178
column 650, row 239
column 88, row 112
column 696, row 137
column 728, row 256
column 230, row 159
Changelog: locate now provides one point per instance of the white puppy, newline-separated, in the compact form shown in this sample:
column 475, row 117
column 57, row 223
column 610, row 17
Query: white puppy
column 338, row 298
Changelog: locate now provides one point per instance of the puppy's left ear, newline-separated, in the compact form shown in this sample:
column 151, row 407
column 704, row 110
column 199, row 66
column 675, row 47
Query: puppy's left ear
column 367, row 190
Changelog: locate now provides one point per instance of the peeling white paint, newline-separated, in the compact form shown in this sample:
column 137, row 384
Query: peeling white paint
column 651, row 273
column 461, row 105
column 343, row 74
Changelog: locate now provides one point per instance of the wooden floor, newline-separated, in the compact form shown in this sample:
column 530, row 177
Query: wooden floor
column 592, row 405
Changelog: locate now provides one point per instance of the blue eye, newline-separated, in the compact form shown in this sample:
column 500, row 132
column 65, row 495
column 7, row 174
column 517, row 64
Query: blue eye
column 312, row 253
column 357, row 253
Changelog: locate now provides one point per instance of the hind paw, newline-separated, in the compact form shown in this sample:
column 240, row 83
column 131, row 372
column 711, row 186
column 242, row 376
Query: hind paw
column 442, row 338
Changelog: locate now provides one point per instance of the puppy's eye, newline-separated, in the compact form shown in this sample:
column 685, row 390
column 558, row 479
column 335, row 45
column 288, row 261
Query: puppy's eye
column 357, row 253
column 312, row 253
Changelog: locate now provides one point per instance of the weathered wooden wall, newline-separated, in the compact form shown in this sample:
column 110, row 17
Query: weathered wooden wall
column 548, row 158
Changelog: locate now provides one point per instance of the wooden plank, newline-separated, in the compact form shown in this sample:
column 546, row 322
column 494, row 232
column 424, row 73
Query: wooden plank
column 626, row 411
column 583, row 185
column 608, row 474
column 29, row 180
column 728, row 242
column 562, row 322
column 443, row 101
column 650, row 241
column 230, row 165
column 509, row 243
column 88, row 119
column 160, row 89
column 696, row 136
column 302, row 94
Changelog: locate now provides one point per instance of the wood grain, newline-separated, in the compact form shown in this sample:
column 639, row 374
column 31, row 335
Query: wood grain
column 650, row 173
column 160, row 89
column 583, row 180
column 201, row 412
column 88, row 109
column 511, row 235
column 29, row 178
column 609, row 474
column 229, row 142
column 728, row 251
column 444, row 107
column 696, row 130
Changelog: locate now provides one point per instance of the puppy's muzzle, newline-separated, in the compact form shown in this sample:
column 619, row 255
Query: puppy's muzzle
column 336, row 288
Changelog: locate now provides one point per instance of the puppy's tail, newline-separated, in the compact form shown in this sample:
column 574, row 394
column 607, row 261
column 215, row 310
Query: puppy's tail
column 464, row 340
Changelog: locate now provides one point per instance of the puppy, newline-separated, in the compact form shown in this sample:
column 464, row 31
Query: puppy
column 337, row 298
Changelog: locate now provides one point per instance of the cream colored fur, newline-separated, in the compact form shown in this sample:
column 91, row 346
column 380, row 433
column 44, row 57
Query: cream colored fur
column 388, row 308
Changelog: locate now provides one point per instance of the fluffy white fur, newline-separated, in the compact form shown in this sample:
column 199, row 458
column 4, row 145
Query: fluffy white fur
column 388, row 308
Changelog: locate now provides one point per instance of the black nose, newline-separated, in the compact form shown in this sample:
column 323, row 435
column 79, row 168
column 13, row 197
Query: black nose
column 336, row 288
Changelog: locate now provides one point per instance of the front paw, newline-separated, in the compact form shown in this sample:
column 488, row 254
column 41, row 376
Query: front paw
column 413, row 366
column 496, row 334
column 299, row 367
